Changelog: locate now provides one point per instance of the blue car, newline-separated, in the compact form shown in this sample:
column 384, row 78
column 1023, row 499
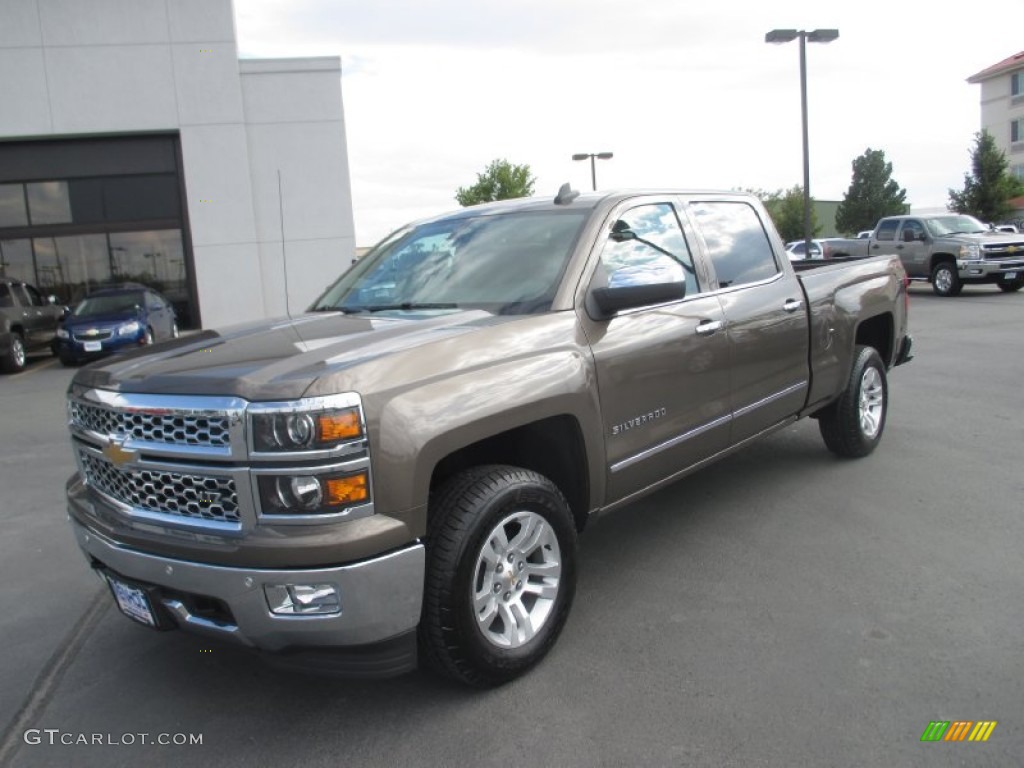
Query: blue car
column 114, row 320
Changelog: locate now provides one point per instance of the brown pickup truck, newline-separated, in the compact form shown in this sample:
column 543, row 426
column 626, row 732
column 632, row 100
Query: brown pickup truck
column 402, row 470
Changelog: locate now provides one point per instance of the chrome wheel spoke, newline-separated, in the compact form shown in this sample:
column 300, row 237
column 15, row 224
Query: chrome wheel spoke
column 872, row 402
column 517, row 575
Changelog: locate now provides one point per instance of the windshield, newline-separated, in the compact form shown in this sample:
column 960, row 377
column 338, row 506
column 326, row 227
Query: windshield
column 507, row 264
column 113, row 304
column 955, row 224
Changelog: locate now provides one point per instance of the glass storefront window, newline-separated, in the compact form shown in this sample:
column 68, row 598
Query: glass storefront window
column 16, row 260
column 12, row 206
column 157, row 259
column 48, row 202
column 70, row 267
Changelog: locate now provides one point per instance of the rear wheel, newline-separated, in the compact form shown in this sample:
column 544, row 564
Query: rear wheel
column 148, row 338
column 174, row 329
column 1011, row 286
column 945, row 280
column 14, row 360
column 501, row 574
column 852, row 426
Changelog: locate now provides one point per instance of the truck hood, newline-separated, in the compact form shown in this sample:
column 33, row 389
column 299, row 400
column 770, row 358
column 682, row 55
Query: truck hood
column 275, row 359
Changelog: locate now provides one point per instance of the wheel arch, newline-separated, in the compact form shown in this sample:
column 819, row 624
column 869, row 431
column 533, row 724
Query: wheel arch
column 878, row 332
column 939, row 258
column 552, row 446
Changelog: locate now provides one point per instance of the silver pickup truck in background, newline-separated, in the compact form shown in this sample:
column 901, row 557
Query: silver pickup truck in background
column 949, row 250
column 402, row 471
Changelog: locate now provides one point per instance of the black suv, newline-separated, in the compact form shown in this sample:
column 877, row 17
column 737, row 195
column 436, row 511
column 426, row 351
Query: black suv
column 28, row 323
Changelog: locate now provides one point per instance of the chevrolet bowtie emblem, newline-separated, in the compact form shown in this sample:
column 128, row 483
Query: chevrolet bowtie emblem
column 91, row 332
column 1012, row 249
column 117, row 455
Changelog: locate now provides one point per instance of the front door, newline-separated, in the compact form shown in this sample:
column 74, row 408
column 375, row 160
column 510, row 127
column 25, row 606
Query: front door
column 662, row 371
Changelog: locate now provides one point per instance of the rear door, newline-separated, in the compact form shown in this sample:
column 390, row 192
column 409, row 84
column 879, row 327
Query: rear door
column 663, row 370
column 765, row 315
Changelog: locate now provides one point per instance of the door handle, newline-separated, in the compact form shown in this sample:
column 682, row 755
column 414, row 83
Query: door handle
column 707, row 327
column 792, row 305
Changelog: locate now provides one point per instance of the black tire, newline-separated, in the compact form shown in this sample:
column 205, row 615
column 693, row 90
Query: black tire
column 66, row 359
column 14, row 360
column 174, row 329
column 946, row 280
column 852, row 426
column 465, row 515
column 1011, row 286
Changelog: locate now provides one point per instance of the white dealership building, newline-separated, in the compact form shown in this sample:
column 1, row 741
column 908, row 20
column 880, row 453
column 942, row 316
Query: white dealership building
column 135, row 145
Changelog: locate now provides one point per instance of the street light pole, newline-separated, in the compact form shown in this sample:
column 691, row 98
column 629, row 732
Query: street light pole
column 593, row 168
column 815, row 36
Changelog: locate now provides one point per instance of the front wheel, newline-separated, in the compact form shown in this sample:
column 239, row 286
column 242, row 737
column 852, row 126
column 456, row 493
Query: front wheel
column 501, row 574
column 1011, row 286
column 852, row 426
column 945, row 280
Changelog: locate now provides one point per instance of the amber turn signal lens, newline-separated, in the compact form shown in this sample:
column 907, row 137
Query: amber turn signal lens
column 339, row 425
column 346, row 490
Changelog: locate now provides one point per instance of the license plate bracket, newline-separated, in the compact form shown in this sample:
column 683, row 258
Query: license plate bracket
column 92, row 346
column 133, row 600
column 1009, row 275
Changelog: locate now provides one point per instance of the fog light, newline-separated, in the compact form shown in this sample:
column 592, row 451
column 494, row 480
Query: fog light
column 302, row 599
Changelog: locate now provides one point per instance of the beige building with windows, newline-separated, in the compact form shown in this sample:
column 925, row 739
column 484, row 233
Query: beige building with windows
column 135, row 145
column 1002, row 108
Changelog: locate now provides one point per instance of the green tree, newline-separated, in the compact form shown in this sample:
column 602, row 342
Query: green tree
column 500, row 181
column 872, row 195
column 988, row 188
column 786, row 207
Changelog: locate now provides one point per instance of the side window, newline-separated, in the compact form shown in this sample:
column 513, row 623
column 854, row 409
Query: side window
column 737, row 244
column 647, row 246
column 913, row 230
column 887, row 229
column 21, row 295
column 34, row 297
column 6, row 300
column 152, row 302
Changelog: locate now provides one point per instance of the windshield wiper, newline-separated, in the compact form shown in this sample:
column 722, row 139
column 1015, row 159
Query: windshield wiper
column 410, row 305
column 345, row 310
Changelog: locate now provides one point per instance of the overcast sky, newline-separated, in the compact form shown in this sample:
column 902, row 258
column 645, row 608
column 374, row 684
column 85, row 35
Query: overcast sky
column 685, row 94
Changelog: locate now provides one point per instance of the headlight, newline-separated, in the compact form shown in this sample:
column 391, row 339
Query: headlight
column 309, row 494
column 127, row 329
column 306, row 425
column 970, row 252
column 63, row 334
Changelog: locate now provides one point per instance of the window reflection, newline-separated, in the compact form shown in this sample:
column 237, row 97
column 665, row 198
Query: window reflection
column 736, row 241
column 653, row 250
column 16, row 260
column 12, row 206
column 70, row 267
column 157, row 259
column 48, row 202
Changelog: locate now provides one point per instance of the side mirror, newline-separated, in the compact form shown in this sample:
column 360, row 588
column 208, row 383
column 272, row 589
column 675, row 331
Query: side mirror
column 621, row 232
column 612, row 300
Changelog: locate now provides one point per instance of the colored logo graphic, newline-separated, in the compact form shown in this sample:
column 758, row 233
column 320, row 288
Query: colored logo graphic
column 958, row 730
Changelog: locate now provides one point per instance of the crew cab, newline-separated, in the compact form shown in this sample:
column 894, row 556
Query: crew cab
column 400, row 473
column 949, row 250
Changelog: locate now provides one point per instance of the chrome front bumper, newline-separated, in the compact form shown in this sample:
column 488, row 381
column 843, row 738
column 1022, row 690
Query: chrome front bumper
column 380, row 598
column 988, row 269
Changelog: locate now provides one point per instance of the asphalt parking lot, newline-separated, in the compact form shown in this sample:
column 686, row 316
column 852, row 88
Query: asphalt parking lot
column 782, row 607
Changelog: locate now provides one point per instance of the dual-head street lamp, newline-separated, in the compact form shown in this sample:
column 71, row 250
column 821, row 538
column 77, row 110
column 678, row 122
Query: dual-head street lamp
column 593, row 170
column 815, row 36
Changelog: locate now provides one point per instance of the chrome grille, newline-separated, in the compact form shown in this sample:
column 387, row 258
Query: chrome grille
column 94, row 336
column 172, row 428
column 170, row 493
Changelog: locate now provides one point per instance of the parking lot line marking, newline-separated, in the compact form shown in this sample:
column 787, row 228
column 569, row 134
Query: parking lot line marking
column 39, row 367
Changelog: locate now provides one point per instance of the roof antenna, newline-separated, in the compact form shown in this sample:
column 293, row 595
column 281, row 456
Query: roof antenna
column 566, row 194
column 284, row 252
